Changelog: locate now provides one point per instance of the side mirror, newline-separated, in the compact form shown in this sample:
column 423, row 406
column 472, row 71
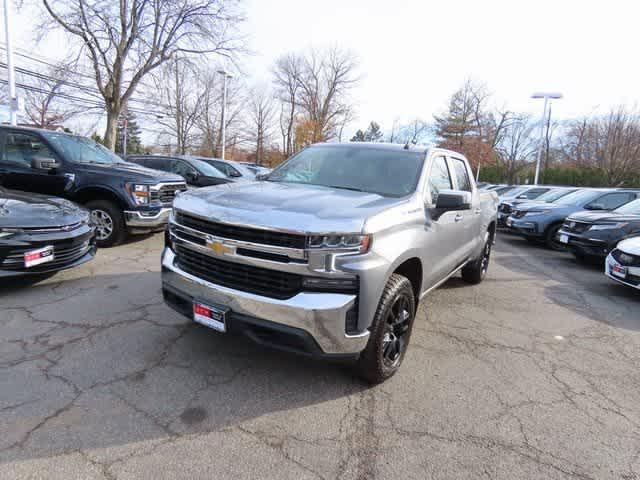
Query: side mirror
column 449, row 200
column 44, row 163
column 261, row 176
column 191, row 176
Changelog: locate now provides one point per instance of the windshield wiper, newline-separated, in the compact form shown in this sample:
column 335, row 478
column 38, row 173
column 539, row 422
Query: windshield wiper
column 347, row 187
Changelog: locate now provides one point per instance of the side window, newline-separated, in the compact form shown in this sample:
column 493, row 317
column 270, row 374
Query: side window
column 612, row 200
column 223, row 167
column 21, row 148
column 462, row 175
column 440, row 178
column 157, row 164
column 181, row 168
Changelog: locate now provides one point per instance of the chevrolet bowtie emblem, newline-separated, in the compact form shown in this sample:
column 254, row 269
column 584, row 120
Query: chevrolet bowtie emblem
column 219, row 247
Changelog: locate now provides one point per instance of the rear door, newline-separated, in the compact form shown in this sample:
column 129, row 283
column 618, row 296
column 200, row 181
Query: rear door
column 471, row 218
column 611, row 201
column 19, row 148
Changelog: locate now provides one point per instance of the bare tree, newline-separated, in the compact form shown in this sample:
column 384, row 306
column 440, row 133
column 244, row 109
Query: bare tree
column 261, row 120
column 44, row 105
column 126, row 40
column 610, row 143
column 286, row 72
column 517, row 146
column 175, row 92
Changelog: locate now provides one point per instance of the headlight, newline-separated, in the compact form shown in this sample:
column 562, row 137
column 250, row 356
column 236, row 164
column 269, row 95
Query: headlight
column 8, row 232
column 139, row 193
column 608, row 226
column 536, row 212
column 341, row 242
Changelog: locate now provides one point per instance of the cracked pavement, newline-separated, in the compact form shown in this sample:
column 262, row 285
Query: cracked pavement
column 535, row 373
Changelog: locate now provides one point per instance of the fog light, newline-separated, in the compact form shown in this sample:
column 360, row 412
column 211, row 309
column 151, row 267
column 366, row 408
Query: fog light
column 336, row 285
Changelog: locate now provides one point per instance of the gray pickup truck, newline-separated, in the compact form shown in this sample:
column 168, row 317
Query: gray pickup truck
column 329, row 255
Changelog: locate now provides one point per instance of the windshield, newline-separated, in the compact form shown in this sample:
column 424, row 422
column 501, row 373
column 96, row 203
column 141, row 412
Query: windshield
column 205, row 169
column 553, row 195
column 392, row 173
column 632, row 208
column 81, row 149
column 515, row 192
column 578, row 198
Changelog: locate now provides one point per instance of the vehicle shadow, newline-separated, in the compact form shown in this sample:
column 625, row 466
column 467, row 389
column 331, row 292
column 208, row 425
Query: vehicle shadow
column 100, row 362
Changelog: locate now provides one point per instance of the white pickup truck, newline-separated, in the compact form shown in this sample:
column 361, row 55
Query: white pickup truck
column 330, row 254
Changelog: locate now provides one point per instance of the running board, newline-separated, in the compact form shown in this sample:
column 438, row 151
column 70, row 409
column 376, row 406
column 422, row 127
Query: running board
column 451, row 274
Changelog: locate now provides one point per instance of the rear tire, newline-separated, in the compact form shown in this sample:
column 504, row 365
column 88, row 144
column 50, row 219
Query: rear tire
column 390, row 332
column 475, row 271
column 108, row 220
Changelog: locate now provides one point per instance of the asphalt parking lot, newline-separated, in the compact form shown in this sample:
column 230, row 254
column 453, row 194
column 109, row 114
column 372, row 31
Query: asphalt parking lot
column 535, row 373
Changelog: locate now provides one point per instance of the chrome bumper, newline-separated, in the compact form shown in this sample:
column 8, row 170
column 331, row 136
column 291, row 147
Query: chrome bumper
column 135, row 219
column 321, row 315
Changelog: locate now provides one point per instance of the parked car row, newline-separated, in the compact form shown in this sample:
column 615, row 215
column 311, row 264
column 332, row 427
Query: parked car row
column 591, row 223
column 83, row 196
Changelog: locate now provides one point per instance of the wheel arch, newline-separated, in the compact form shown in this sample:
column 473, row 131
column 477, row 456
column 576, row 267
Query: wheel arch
column 90, row 193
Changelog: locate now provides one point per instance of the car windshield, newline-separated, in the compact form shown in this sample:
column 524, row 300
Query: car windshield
column 631, row 208
column 205, row 169
column 515, row 192
column 578, row 198
column 392, row 173
column 553, row 195
column 81, row 149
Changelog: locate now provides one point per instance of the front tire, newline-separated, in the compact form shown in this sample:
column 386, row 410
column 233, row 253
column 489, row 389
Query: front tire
column 550, row 238
column 390, row 332
column 475, row 271
column 108, row 221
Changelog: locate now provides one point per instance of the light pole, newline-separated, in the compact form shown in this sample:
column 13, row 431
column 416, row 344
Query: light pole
column 11, row 76
column 547, row 97
column 225, row 75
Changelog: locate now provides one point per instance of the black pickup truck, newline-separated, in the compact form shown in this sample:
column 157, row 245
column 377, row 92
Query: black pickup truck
column 123, row 198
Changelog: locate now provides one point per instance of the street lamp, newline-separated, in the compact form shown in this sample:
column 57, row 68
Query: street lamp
column 547, row 97
column 225, row 75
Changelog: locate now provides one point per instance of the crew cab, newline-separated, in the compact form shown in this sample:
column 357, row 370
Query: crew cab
column 330, row 254
column 123, row 198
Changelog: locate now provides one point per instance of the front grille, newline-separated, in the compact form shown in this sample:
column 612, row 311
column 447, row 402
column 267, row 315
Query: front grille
column 245, row 234
column 167, row 193
column 575, row 227
column 246, row 278
column 64, row 253
column 626, row 259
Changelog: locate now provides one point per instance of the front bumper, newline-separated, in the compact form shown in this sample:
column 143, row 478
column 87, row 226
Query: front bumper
column 524, row 226
column 632, row 278
column 147, row 220
column 318, row 319
column 581, row 244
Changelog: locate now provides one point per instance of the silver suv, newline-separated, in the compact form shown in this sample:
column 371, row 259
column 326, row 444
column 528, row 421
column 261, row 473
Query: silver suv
column 330, row 254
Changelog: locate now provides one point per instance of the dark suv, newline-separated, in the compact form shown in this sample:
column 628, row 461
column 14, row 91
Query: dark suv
column 123, row 197
column 197, row 173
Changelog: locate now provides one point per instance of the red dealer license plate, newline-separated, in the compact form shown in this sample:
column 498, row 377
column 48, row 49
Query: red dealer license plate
column 209, row 316
column 619, row 271
column 38, row 257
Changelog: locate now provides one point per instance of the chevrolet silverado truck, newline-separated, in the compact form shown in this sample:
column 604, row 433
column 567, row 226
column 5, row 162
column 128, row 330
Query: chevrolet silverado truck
column 123, row 198
column 330, row 254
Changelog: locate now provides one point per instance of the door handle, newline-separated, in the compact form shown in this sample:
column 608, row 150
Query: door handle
column 459, row 217
column 478, row 211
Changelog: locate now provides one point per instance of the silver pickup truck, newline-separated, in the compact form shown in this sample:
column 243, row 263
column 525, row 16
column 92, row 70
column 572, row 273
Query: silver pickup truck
column 329, row 255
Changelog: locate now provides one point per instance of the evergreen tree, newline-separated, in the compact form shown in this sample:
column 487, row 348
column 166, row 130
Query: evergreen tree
column 372, row 134
column 134, row 144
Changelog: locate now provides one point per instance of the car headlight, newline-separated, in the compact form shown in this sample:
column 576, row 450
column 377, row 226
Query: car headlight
column 8, row 232
column 608, row 226
column 340, row 242
column 532, row 213
column 139, row 193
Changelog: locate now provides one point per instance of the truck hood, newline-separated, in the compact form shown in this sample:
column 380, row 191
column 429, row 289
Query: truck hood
column 132, row 172
column 30, row 210
column 630, row 245
column 600, row 216
column 286, row 206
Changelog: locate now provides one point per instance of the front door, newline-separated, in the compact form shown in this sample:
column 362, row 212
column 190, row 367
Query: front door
column 19, row 148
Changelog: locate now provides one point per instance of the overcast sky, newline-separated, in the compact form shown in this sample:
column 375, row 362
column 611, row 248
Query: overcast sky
column 414, row 53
